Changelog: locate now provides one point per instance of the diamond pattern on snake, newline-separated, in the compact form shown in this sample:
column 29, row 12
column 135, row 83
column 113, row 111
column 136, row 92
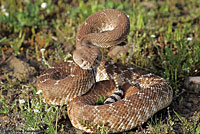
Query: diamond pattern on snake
column 133, row 95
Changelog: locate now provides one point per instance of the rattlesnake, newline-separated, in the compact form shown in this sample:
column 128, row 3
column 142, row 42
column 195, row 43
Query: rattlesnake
column 72, row 83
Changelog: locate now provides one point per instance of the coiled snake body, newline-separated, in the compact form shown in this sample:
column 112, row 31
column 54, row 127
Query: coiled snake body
column 72, row 82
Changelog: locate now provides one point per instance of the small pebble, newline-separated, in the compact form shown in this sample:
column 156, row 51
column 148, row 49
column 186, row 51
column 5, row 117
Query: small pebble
column 44, row 5
column 188, row 105
column 36, row 110
column 21, row 101
column 39, row 92
column 186, row 111
column 189, row 38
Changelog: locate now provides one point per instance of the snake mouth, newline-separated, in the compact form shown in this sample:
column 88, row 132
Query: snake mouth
column 84, row 64
column 87, row 57
column 94, row 76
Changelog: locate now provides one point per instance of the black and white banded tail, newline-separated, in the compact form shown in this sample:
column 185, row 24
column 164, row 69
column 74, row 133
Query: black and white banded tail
column 118, row 93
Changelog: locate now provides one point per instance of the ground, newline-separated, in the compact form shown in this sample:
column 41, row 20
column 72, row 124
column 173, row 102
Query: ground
column 164, row 39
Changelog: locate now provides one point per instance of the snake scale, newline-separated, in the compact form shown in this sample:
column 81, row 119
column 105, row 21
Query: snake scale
column 73, row 82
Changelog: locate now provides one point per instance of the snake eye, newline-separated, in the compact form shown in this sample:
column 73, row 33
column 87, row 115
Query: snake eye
column 87, row 42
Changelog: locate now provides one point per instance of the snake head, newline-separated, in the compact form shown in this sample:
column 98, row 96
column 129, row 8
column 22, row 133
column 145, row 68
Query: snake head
column 87, row 56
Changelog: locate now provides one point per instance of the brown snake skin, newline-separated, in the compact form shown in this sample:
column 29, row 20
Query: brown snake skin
column 105, row 28
column 67, row 83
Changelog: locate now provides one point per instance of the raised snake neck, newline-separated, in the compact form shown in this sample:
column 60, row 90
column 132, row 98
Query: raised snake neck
column 105, row 28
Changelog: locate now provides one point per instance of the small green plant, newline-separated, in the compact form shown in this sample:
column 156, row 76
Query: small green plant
column 189, row 127
column 157, row 126
column 5, row 107
column 43, row 58
column 17, row 43
column 19, row 15
column 100, row 100
column 103, row 129
column 96, row 128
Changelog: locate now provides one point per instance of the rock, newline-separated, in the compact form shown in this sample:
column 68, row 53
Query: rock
column 188, row 105
column 186, row 111
column 118, row 50
column 193, row 84
column 22, row 70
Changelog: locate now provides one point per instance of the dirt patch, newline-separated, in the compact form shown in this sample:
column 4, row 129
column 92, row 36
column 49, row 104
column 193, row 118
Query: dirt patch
column 21, row 69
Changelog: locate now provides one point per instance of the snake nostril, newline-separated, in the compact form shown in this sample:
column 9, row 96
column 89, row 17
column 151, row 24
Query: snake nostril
column 82, row 61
